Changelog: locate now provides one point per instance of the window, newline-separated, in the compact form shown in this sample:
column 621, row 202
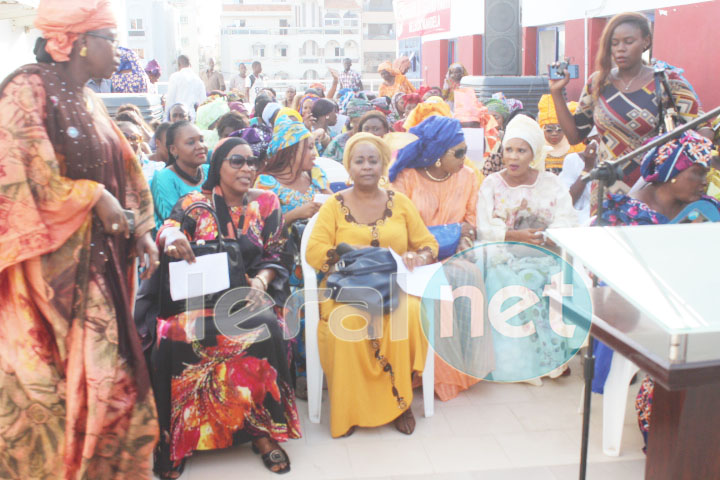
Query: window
column 379, row 31
column 350, row 20
column 550, row 46
column 136, row 24
column 283, row 23
column 183, row 20
column 377, row 5
column 332, row 20
column 258, row 50
column 283, row 52
column 371, row 60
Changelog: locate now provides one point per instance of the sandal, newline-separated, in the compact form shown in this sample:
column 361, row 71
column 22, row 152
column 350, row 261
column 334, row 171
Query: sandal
column 166, row 471
column 405, row 423
column 276, row 456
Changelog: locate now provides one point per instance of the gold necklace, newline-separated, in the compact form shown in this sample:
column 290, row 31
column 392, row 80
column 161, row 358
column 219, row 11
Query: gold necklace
column 626, row 86
column 435, row 178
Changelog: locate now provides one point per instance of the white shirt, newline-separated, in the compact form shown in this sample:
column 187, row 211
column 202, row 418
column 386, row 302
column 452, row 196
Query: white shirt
column 185, row 87
column 255, row 88
column 573, row 166
column 238, row 83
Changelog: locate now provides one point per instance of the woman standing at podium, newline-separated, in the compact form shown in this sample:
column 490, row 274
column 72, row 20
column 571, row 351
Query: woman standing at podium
column 676, row 174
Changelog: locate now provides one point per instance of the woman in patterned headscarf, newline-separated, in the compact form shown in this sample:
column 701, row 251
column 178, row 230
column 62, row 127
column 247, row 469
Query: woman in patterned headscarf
column 130, row 76
column 676, row 175
column 76, row 391
column 394, row 81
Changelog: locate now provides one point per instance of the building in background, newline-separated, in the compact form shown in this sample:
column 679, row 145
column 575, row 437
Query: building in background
column 294, row 39
column 199, row 24
column 153, row 33
column 379, row 43
column 441, row 32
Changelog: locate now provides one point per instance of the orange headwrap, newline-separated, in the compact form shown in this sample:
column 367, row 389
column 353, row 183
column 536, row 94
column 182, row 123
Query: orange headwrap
column 431, row 106
column 402, row 64
column 61, row 21
column 387, row 66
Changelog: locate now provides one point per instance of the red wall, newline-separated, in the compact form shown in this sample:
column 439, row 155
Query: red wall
column 575, row 50
column 529, row 51
column 469, row 53
column 435, row 62
column 688, row 37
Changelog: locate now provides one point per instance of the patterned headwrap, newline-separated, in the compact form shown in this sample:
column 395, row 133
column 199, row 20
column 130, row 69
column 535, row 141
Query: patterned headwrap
column 344, row 97
column 527, row 129
column 387, row 67
column 307, row 96
column 134, row 81
column 497, row 106
column 238, row 107
column 357, row 107
column 287, row 133
column 61, row 21
column 436, row 135
column 256, row 138
column 402, row 64
column 381, row 104
column 663, row 163
column 431, row 106
column 423, row 90
column 365, row 137
column 153, row 68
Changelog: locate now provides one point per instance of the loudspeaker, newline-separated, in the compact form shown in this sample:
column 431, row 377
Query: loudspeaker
column 502, row 41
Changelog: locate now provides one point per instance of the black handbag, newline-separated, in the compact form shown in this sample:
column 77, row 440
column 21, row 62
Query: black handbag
column 236, row 265
column 371, row 268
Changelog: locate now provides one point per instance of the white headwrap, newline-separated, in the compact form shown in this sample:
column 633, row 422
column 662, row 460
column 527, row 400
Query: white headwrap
column 527, row 129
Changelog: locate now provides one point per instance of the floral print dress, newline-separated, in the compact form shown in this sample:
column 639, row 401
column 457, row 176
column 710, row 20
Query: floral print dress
column 215, row 391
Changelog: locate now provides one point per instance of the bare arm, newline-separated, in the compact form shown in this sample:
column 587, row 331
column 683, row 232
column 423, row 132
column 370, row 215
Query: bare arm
column 567, row 122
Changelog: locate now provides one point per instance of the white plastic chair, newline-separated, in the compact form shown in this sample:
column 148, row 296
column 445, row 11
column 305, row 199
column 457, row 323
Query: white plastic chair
column 312, row 354
column 334, row 171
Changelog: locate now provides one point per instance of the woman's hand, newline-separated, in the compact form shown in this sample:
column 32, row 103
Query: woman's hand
column 414, row 259
column 469, row 231
column 146, row 246
column 302, row 212
column 532, row 236
column 590, row 155
column 180, row 248
column 556, row 86
column 111, row 215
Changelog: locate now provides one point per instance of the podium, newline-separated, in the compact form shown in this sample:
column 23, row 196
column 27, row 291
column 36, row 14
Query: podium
column 661, row 310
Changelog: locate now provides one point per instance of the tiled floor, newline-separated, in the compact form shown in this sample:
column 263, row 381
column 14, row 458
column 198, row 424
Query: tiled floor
column 491, row 432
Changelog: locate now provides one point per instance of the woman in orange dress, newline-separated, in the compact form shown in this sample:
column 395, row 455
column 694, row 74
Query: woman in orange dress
column 431, row 172
column 74, row 388
column 394, row 81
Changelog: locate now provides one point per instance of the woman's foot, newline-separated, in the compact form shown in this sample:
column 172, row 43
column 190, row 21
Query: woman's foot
column 275, row 458
column 405, row 423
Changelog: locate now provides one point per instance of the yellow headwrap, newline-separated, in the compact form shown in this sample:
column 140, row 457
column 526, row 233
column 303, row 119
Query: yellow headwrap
column 364, row 137
column 546, row 110
column 62, row 21
column 431, row 106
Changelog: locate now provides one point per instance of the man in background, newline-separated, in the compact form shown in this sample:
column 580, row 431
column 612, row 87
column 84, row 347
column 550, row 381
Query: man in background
column 213, row 80
column 239, row 81
column 257, row 82
column 99, row 85
column 185, row 87
column 350, row 78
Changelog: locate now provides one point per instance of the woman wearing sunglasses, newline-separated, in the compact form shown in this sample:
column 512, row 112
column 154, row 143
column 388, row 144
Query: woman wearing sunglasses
column 432, row 173
column 246, row 391
column 554, row 136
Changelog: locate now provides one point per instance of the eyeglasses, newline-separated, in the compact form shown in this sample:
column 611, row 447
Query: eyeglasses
column 552, row 128
column 114, row 41
column 238, row 161
column 132, row 137
column 460, row 153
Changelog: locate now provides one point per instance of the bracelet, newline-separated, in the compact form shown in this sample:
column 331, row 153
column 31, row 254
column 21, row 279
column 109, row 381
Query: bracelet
column 263, row 281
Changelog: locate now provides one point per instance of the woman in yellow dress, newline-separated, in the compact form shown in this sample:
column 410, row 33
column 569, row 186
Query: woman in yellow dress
column 369, row 381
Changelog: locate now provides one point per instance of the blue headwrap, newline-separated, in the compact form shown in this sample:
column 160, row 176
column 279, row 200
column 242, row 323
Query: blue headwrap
column 663, row 163
column 436, row 135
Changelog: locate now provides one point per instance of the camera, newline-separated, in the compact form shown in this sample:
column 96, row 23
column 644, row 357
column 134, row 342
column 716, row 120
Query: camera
column 557, row 72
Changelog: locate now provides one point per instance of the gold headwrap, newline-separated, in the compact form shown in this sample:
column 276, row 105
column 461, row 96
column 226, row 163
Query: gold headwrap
column 547, row 113
column 364, row 137
column 431, row 106
column 62, row 21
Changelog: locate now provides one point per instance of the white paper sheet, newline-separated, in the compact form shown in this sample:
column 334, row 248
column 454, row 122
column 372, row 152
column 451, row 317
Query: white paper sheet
column 321, row 197
column 209, row 274
column 475, row 140
column 416, row 282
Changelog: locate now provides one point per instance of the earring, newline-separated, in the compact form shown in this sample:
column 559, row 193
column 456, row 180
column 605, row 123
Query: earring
column 673, row 180
column 438, row 164
column 83, row 52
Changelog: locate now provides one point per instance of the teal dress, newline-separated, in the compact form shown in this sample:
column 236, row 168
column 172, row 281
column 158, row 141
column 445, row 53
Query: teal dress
column 167, row 188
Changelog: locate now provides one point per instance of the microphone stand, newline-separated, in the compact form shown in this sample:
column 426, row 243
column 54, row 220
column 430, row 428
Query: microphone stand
column 607, row 173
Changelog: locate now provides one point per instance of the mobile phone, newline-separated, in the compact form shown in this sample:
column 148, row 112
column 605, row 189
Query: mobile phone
column 557, row 72
column 130, row 216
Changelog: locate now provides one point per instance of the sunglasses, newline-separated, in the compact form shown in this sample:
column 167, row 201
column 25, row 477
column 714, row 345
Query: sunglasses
column 553, row 129
column 238, row 161
column 114, row 41
column 132, row 137
column 460, row 153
